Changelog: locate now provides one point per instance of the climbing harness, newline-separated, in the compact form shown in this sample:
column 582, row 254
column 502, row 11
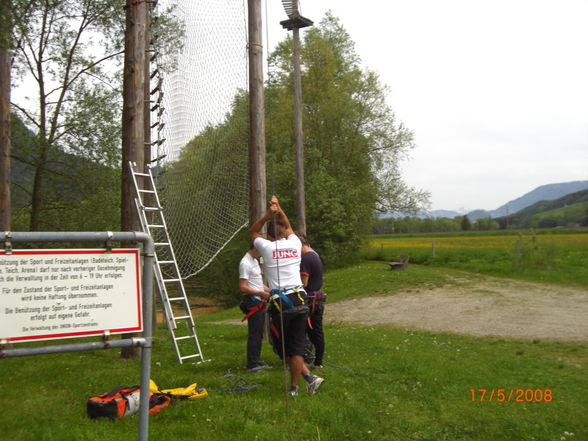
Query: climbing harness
column 287, row 298
column 316, row 296
column 250, row 305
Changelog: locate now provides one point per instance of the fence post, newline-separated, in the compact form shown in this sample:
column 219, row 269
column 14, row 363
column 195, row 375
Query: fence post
column 518, row 254
column 433, row 248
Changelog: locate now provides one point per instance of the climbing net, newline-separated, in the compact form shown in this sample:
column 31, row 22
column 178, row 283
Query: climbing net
column 201, row 129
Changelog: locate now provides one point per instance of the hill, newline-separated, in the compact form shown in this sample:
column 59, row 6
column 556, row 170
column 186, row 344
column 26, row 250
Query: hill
column 79, row 194
column 546, row 192
column 571, row 209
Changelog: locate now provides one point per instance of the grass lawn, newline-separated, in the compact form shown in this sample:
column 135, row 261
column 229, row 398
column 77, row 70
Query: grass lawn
column 383, row 383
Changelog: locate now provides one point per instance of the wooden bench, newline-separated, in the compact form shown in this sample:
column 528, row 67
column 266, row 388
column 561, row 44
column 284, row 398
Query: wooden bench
column 402, row 264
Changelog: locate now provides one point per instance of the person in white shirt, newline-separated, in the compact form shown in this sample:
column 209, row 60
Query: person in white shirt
column 255, row 295
column 281, row 253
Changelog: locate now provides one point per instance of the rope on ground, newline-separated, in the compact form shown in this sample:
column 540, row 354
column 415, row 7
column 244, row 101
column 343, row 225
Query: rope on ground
column 336, row 366
column 239, row 384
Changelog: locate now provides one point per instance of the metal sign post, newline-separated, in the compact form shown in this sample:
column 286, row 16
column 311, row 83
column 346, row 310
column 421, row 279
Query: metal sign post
column 74, row 281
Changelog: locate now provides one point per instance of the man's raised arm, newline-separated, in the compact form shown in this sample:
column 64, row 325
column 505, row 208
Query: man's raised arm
column 255, row 230
column 282, row 216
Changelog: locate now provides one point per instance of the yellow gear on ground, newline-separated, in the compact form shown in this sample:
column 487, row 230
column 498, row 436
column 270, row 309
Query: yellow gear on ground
column 189, row 392
column 153, row 387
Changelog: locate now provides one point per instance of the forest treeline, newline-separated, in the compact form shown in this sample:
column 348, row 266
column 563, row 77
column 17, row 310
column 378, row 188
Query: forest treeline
column 414, row 224
column 568, row 211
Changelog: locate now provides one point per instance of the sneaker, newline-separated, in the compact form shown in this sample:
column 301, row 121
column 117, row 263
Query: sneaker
column 257, row 368
column 313, row 387
column 317, row 366
column 293, row 392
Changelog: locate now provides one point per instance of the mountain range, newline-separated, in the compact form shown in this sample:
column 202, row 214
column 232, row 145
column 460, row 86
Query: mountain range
column 546, row 192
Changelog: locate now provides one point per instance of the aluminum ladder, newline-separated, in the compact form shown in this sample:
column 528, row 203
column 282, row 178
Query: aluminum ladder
column 181, row 326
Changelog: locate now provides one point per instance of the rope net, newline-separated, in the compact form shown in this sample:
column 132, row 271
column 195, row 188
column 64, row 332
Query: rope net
column 201, row 109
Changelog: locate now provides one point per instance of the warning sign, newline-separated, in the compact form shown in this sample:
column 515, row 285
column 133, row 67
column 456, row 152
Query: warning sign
column 51, row 294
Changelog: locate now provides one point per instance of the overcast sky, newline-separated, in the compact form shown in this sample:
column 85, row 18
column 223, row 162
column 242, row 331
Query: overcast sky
column 495, row 91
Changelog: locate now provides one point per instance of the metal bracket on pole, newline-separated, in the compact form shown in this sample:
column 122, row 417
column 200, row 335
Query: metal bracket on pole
column 158, row 158
column 108, row 244
column 106, row 339
column 7, row 243
column 3, row 344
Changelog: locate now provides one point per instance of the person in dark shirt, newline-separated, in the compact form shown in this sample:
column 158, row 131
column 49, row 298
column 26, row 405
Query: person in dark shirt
column 311, row 273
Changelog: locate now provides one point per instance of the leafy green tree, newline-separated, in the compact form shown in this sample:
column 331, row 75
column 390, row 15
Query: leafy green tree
column 445, row 224
column 485, row 224
column 466, row 224
column 63, row 49
column 584, row 222
column 352, row 141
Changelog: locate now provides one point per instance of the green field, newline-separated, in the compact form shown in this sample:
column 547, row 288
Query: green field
column 554, row 256
column 383, row 383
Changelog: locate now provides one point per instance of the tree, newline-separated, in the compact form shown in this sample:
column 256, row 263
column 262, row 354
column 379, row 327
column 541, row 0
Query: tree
column 5, row 145
column 353, row 143
column 466, row 224
column 485, row 224
column 63, row 49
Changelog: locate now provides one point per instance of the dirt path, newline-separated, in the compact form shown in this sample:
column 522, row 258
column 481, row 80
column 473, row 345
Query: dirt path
column 488, row 307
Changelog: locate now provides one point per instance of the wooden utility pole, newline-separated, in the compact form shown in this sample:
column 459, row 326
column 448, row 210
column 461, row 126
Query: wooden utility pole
column 300, row 198
column 295, row 24
column 5, row 146
column 147, row 91
column 257, row 179
column 133, row 124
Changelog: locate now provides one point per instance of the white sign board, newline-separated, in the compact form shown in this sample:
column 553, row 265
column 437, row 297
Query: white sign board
column 50, row 294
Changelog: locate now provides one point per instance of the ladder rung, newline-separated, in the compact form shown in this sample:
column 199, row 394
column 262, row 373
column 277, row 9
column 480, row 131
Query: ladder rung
column 155, row 226
column 161, row 244
column 185, row 357
column 147, row 191
column 175, row 299
column 152, row 208
column 183, row 317
column 185, row 337
column 165, row 262
column 141, row 174
column 170, row 280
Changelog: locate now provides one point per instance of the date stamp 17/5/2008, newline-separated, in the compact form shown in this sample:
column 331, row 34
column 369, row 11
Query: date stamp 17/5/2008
column 512, row 395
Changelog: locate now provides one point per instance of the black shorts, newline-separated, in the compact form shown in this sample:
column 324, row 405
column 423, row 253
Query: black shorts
column 294, row 329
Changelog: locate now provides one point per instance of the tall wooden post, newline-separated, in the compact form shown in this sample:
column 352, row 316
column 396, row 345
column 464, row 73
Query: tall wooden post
column 5, row 146
column 257, row 178
column 147, row 91
column 133, row 137
column 295, row 24
column 300, row 199
column 133, row 124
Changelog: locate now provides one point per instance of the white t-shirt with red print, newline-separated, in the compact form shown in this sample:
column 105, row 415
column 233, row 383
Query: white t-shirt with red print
column 282, row 261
